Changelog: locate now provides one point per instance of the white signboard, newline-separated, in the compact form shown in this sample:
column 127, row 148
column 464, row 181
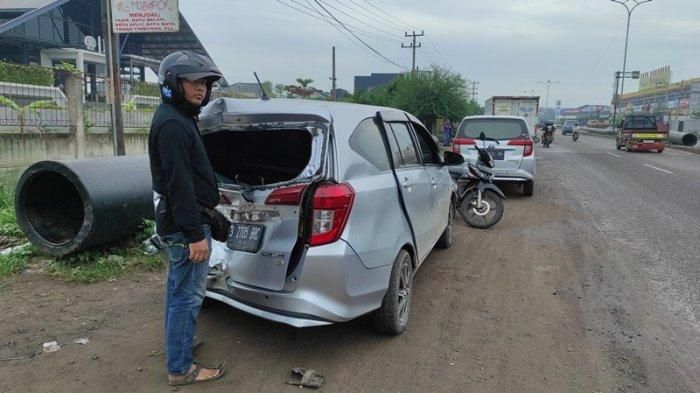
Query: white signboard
column 145, row 16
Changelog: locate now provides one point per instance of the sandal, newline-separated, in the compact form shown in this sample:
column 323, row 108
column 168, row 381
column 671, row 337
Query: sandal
column 191, row 378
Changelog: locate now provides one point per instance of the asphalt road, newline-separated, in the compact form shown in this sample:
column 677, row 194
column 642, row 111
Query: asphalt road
column 589, row 286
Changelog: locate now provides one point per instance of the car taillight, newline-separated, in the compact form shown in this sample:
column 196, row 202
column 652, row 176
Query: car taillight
column 461, row 141
column 526, row 143
column 331, row 208
column 286, row 196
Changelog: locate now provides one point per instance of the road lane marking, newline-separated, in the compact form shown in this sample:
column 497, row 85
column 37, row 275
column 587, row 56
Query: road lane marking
column 658, row 169
column 611, row 154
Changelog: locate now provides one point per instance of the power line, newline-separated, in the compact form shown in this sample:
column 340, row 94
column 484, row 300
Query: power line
column 324, row 18
column 358, row 20
column 367, row 14
column 391, row 16
column 360, row 39
column 401, row 25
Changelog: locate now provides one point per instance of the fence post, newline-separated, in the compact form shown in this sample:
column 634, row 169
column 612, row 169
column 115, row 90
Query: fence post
column 75, row 94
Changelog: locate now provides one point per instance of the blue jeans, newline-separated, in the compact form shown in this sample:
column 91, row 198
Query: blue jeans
column 185, row 292
column 447, row 135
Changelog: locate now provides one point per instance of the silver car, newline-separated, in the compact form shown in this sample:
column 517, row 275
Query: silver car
column 333, row 208
column 514, row 154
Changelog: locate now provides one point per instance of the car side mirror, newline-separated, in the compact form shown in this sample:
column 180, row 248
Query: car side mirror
column 452, row 158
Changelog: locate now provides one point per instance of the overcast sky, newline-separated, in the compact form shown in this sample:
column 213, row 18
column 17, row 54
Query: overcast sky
column 506, row 45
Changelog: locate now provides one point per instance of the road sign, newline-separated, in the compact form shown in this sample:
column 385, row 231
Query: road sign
column 155, row 16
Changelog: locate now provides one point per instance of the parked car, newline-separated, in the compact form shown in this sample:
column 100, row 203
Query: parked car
column 513, row 154
column 334, row 207
column 569, row 127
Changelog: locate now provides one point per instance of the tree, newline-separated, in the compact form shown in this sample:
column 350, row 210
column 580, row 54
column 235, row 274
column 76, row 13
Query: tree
column 267, row 87
column 303, row 89
column 278, row 91
column 428, row 95
column 24, row 111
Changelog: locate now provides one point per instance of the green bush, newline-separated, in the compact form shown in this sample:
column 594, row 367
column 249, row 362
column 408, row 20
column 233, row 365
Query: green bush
column 145, row 89
column 31, row 75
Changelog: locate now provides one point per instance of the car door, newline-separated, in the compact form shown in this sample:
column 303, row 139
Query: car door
column 440, row 180
column 414, row 182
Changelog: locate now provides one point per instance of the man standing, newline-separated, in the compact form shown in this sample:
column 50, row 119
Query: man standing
column 447, row 132
column 183, row 181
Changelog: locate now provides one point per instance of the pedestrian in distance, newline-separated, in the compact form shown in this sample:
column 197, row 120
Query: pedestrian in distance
column 184, row 186
column 447, row 131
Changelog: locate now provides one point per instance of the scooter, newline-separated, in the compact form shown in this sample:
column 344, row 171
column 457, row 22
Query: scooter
column 574, row 135
column 547, row 138
column 479, row 201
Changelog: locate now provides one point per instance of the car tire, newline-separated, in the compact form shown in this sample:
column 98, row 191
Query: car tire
column 529, row 188
column 392, row 316
column 445, row 240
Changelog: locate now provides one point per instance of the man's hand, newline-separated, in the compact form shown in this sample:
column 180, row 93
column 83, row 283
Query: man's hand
column 199, row 251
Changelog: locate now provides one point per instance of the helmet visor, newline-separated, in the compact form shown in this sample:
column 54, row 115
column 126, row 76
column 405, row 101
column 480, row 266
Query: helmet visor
column 193, row 76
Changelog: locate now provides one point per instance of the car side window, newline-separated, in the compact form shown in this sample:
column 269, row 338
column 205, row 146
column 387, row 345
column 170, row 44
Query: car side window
column 367, row 141
column 428, row 149
column 404, row 141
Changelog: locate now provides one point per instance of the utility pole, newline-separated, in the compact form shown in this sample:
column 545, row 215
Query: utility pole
column 413, row 46
column 114, row 78
column 473, row 89
column 627, row 35
column 546, row 105
column 333, row 79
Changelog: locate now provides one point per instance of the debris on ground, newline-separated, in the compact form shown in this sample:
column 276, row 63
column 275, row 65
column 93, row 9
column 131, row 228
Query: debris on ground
column 306, row 377
column 51, row 346
column 82, row 341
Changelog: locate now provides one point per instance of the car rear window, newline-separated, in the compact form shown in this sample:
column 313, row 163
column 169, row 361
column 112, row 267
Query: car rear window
column 639, row 122
column 493, row 128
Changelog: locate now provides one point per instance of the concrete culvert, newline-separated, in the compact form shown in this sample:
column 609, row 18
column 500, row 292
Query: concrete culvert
column 65, row 207
column 683, row 138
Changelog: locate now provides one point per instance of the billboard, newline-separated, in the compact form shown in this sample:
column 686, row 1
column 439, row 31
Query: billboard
column 655, row 78
column 138, row 16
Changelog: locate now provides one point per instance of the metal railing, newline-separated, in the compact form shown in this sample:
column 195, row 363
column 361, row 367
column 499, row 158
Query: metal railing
column 27, row 108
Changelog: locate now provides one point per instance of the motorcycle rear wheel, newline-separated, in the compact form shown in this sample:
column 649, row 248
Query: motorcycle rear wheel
column 488, row 216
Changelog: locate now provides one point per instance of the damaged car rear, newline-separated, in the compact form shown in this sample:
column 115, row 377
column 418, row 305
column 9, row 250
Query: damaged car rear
column 332, row 210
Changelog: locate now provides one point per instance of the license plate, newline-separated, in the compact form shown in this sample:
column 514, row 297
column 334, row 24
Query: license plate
column 496, row 154
column 245, row 237
column 649, row 141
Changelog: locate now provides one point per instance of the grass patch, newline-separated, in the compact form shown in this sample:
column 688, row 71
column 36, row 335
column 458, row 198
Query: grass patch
column 8, row 223
column 11, row 264
column 87, row 266
column 110, row 262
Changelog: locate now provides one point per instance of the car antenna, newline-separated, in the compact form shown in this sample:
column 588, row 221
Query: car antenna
column 264, row 96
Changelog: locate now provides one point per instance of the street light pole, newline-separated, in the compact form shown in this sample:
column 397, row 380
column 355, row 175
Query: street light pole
column 625, row 3
column 548, row 83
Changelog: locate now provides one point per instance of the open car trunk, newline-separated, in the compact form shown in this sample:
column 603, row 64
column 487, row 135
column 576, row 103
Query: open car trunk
column 254, row 157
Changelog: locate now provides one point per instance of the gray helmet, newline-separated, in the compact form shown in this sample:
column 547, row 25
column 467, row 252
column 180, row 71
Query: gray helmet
column 189, row 65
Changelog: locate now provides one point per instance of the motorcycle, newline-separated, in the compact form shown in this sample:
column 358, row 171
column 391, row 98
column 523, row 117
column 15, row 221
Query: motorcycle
column 547, row 136
column 479, row 201
column 574, row 136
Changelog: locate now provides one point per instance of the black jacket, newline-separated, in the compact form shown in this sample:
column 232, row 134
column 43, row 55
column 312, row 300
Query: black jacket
column 181, row 173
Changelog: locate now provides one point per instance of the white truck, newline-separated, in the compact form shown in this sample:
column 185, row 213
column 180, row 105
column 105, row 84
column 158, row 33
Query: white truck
column 526, row 107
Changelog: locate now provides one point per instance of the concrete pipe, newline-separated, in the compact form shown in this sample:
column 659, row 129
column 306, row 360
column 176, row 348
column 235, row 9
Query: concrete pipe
column 682, row 138
column 65, row 207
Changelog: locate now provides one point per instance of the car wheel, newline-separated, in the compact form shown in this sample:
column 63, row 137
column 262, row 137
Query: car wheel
column 392, row 316
column 445, row 240
column 529, row 188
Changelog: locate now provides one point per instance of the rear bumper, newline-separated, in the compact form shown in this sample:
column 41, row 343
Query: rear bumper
column 333, row 286
column 525, row 173
column 647, row 146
